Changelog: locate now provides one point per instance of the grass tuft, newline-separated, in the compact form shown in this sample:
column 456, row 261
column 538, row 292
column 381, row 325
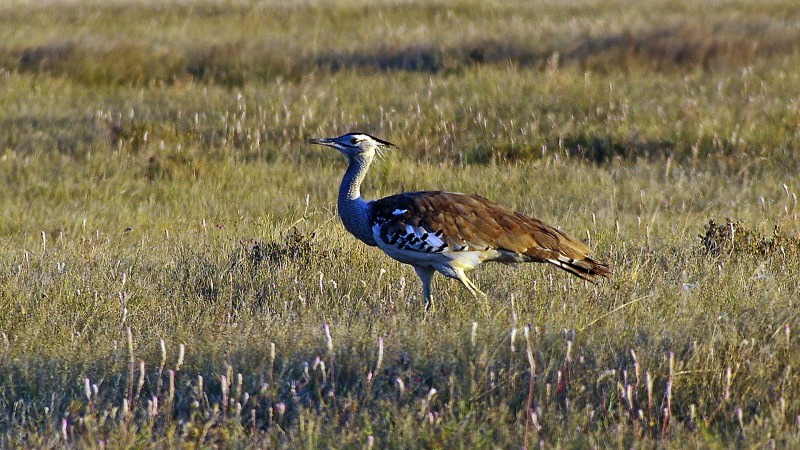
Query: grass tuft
column 734, row 239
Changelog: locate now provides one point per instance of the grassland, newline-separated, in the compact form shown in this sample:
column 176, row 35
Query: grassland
column 173, row 273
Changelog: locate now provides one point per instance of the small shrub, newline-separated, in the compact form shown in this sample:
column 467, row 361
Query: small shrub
column 294, row 246
column 734, row 239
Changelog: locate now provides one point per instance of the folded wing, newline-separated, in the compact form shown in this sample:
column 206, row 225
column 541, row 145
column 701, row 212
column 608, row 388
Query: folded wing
column 444, row 222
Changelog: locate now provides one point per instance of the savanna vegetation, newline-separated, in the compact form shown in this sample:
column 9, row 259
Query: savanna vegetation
column 172, row 271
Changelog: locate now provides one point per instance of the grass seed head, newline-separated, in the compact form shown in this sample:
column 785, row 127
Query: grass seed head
column 379, row 361
column 163, row 348
column 513, row 339
column 473, row 333
column 181, row 351
column 328, row 338
column 401, row 387
column 726, row 390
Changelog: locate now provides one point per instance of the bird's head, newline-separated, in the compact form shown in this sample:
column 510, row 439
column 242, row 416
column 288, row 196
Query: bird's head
column 354, row 144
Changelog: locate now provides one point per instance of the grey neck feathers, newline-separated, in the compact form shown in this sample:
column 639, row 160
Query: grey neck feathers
column 353, row 210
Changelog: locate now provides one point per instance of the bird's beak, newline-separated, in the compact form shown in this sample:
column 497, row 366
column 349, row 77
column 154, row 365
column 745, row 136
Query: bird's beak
column 323, row 141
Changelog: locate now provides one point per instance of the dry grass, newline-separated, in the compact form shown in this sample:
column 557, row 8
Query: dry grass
column 173, row 273
column 265, row 41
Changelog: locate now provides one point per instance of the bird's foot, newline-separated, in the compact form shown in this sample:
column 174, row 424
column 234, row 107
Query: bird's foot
column 428, row 305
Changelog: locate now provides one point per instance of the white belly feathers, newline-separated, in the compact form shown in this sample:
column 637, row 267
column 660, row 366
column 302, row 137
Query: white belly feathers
column 420, row 247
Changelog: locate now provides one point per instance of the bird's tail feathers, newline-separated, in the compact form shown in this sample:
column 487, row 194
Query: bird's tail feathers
column 585, row 268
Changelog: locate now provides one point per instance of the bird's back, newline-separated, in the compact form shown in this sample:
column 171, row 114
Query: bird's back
column 445, row 222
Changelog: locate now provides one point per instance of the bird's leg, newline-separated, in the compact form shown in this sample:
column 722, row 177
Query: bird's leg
column 425, row 275
column 464, row 279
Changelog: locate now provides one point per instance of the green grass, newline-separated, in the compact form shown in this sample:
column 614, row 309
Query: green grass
column 156, row 188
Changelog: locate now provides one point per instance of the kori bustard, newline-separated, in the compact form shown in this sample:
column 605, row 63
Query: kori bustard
column 447, row 232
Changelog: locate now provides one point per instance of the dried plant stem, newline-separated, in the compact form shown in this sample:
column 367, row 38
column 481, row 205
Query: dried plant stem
column 623, row 306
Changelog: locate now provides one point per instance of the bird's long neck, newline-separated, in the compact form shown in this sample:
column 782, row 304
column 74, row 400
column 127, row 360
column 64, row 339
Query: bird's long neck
column 353, row 210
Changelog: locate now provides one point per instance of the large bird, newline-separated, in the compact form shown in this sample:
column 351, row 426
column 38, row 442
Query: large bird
column 447, row 232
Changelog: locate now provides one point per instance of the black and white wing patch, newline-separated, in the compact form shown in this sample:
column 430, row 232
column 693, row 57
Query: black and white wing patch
column 395, row 226
column 404, row 222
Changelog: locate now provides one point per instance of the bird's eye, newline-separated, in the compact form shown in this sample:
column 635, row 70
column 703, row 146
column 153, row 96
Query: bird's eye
column 353, row 141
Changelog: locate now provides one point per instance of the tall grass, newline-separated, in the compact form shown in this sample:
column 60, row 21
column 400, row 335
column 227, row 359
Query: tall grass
column 173, row 273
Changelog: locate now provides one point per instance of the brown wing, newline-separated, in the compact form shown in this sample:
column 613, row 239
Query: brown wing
column 468, row 222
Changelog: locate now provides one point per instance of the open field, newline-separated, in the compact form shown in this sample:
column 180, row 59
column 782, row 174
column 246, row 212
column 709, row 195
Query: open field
column 172, row 271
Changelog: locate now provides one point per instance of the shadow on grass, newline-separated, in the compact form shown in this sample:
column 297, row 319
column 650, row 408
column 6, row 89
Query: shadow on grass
column 433, row 59
column 683, row 46
column 663, row 48
column 596, row 149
